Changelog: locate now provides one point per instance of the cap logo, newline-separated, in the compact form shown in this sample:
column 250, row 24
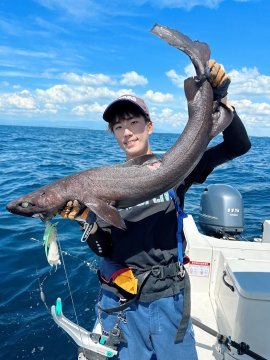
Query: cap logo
column 129, row 97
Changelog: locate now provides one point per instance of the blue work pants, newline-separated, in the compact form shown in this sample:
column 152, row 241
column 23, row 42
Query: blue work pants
column 150, row 329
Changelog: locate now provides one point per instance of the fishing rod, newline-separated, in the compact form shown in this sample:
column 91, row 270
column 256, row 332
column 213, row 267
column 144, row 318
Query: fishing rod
column 92, row 346
column 242, row 348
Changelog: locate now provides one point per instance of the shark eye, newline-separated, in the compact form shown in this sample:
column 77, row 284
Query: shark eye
column 24, row 204
column 43, row 194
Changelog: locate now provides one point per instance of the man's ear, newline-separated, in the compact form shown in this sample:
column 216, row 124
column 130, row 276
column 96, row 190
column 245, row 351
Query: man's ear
column 150, row 127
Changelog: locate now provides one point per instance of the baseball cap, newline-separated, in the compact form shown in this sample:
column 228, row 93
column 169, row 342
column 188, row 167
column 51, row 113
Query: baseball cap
column 123, row 100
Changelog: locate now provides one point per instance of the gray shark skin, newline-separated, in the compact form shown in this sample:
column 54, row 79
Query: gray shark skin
column 104, row 189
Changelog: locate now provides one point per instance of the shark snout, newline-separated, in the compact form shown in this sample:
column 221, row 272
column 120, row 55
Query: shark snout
column 20, row 207
column 11, row 206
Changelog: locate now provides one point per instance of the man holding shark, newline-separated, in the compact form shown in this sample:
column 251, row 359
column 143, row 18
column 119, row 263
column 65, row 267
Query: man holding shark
column 144, row 287
column 132, row 213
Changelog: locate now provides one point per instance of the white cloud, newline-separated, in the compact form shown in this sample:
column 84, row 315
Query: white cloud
column 132, row 78
column 25, row 92
column 9, row 27
column 169, row 119
column 59, row 94
column 178, row 79
column 64, row 94
column 4, row 83
column 248, row 81
column 21, row 74
column 79, row 100
column 249, row 92
column 186, row 4
column 82, row 110
column 252, row 113
column 24, row 103
column 11, row 51
column 87, row 79
column 50, row 108
column 85, row 9
column 19, row 101
column 189, row 70
column 259, row 108
column 158, row 96
column 50, row 27
column 79, row 9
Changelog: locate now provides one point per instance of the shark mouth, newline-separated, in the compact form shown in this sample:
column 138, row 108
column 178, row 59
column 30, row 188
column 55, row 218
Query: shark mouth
column 44, row 217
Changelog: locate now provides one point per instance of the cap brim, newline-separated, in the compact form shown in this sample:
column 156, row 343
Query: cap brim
column 118, row 106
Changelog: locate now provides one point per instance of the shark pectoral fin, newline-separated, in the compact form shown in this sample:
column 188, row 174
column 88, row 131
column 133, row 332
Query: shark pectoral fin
column 221, row 119
column 106, row 212
column 191, row 88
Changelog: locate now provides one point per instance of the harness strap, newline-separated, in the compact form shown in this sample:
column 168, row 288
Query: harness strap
column 180, row 216
column 163, row 271
column 186, row 311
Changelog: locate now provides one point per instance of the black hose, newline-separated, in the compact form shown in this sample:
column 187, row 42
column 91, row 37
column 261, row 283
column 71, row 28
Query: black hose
column 242, row 348
column 225, row 282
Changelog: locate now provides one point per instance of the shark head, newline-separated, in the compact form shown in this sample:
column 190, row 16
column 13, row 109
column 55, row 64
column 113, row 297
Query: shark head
column 43, row 203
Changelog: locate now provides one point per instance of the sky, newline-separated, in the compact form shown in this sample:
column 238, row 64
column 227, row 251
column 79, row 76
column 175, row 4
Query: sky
column 63, row 61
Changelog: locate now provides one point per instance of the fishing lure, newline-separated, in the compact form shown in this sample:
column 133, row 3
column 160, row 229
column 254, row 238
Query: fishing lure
column 50, row 244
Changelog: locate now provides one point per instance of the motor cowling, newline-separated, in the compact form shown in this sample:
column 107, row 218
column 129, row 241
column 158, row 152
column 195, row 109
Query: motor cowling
column 221, row 211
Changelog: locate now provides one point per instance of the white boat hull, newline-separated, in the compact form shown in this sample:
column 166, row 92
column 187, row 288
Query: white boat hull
column 242, row 314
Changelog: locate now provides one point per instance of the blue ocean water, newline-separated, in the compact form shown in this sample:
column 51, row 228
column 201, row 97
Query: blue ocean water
column 32, row 157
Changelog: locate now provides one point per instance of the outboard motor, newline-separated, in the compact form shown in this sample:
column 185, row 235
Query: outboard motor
column 221, row 211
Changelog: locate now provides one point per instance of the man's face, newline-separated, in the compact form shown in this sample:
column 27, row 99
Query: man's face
column 132, row 134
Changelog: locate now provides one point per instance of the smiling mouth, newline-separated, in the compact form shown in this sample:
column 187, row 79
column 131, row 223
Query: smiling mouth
column 130, row 142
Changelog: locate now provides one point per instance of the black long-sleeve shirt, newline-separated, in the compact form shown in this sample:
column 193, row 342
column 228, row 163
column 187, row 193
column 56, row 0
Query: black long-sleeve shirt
column 150, row 237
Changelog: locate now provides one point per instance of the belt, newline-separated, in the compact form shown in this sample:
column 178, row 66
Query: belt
column 164, row 271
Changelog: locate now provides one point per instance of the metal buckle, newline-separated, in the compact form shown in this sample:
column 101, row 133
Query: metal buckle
column 182, row 271
column 158, row 271
column 87, row 229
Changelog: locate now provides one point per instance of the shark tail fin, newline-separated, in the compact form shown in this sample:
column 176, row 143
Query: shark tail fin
column 198, row 52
